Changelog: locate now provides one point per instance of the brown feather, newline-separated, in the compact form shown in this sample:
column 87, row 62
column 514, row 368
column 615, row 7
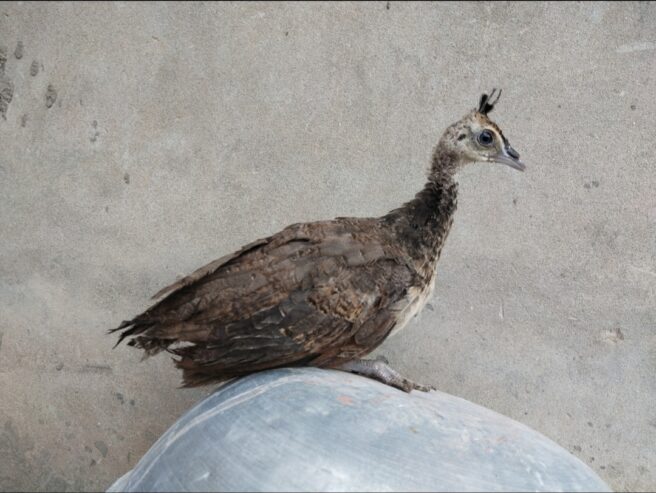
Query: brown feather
column 297, row 295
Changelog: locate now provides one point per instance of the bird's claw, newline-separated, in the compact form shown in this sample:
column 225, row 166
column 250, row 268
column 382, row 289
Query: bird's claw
column 380, row 370
column 409, row 386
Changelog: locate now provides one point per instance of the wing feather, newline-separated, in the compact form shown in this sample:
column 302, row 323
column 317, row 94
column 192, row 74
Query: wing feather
column 312, row 292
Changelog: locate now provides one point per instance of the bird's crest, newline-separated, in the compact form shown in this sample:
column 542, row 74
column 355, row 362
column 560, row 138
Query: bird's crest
column 486, row 103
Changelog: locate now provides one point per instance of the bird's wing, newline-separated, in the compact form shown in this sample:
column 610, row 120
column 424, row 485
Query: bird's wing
column 304, row 292
column 208, row 269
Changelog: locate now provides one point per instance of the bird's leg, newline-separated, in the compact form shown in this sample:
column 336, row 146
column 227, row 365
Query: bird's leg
column 379, row 369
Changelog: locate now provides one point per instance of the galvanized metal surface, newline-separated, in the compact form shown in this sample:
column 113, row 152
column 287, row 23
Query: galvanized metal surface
column 318, row 430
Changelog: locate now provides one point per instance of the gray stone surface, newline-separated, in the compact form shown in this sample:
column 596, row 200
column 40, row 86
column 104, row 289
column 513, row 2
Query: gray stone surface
column 154, row 138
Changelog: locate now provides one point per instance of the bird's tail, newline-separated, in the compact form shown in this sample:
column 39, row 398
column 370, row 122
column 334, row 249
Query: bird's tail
column 134, row 328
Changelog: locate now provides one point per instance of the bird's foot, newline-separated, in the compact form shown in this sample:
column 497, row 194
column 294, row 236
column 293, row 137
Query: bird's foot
column 379, row 369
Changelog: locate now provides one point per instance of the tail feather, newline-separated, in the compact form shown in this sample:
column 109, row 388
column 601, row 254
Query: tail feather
column 131, row 328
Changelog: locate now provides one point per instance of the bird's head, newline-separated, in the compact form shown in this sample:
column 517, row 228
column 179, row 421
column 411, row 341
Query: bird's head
column 477, row 138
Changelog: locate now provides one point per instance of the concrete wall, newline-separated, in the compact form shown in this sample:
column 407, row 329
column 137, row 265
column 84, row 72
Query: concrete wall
column 180, row 132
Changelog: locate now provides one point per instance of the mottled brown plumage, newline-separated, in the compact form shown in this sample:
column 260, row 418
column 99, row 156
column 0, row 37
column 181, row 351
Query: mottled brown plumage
column 323, row 293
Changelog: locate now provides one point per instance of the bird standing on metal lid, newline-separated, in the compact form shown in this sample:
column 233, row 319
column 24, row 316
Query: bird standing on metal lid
column 324, row 293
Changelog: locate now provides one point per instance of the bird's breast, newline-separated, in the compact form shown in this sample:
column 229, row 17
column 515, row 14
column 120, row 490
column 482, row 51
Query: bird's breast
column 413, row 303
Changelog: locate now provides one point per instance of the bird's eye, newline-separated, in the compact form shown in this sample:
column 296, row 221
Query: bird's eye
column 485, row 138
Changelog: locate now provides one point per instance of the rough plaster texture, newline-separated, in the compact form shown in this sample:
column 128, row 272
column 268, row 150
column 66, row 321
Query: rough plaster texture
column 142, row 141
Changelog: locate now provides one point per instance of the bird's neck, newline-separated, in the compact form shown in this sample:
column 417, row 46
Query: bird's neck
column 422, row 224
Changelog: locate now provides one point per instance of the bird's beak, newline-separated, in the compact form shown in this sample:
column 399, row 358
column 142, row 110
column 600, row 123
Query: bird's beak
column 510, row 157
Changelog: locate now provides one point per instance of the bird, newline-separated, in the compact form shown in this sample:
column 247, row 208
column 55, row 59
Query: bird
column 323, row 294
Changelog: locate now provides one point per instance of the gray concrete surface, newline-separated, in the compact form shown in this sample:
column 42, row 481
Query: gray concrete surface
column 154, row 138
